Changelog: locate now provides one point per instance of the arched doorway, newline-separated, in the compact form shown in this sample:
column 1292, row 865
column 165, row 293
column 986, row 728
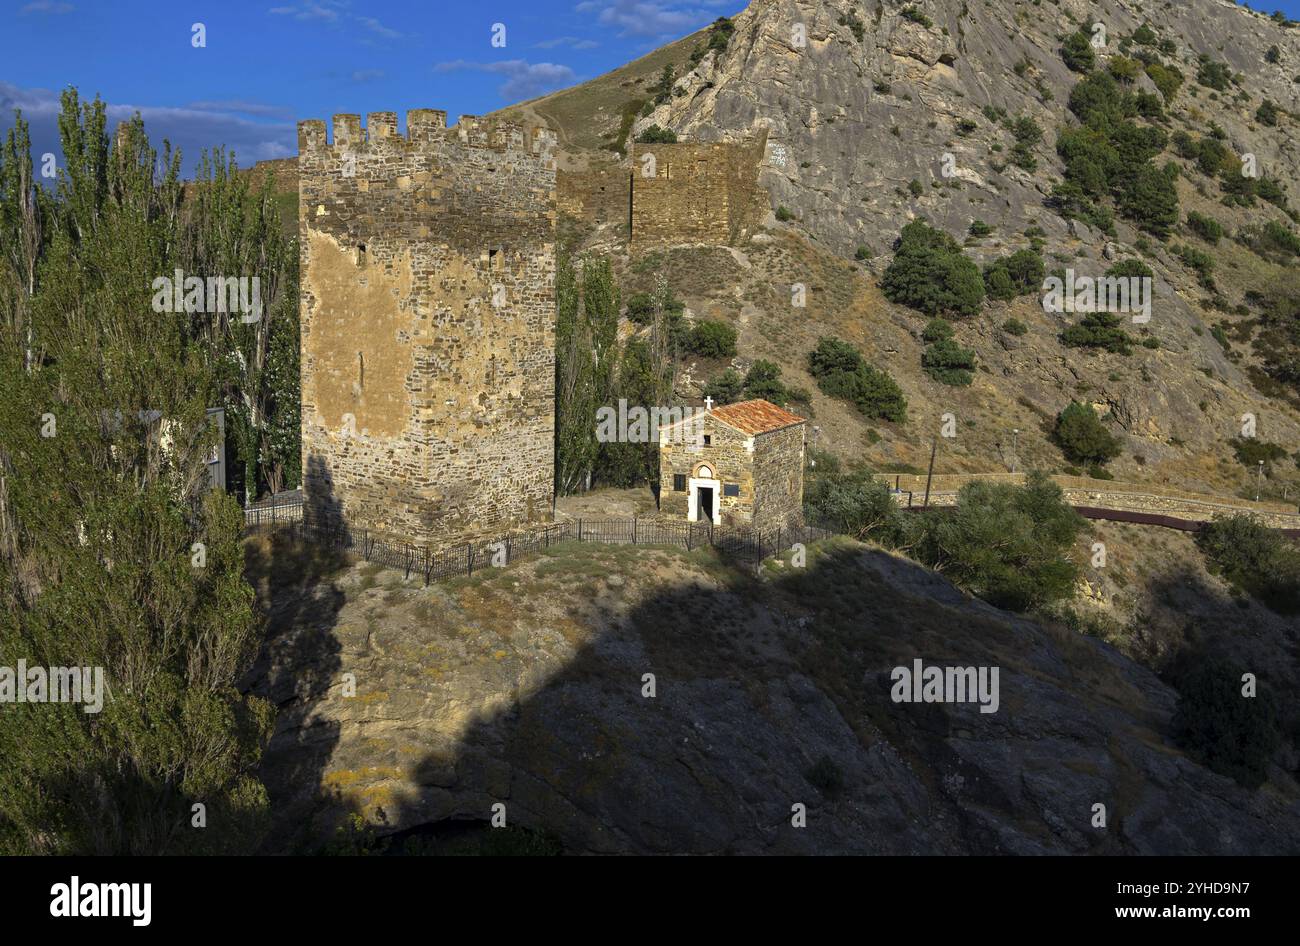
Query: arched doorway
column 705, row 492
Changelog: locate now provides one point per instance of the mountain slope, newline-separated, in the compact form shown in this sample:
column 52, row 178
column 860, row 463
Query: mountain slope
column 861, row 123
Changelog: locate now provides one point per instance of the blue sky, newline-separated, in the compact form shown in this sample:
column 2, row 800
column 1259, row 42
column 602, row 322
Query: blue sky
column 267, row 64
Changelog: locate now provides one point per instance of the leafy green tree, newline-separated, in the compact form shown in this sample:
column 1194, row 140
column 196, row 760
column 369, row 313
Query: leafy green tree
column 1206, row 227
column 763, row 380
column 576, row 394
column 1223, row 729
column 726, row 388
column 654, row 135
column 234, row 230
column 1253, row 558
column 841, row 371
column 113, row 554
column 937, row 330
column 1019, row 274
column 1150, row 199
column 855, row 504
column 1007, row 544
column 1167, row 79
column 948, row 363
column 1077, row 52
column 1083, row 438
column 930, row 273
column 712, row 339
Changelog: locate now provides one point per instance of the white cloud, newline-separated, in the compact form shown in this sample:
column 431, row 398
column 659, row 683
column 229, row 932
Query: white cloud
column 524, row 80
column 47, row 6
column 367, row 75
column 325, row 10
column 370, row 23
column 191, row 128
column 650, row 17
column 572, row 42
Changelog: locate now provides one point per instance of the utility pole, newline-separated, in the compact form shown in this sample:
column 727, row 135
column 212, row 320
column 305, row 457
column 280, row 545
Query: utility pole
column 1259, row 483
column 1015, row 442
column 933, row 448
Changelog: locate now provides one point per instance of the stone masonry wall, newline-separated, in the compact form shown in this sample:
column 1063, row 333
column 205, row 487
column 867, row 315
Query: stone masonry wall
column 778, row 478
column 730, row 457
column 699, row 193
column 428, row 325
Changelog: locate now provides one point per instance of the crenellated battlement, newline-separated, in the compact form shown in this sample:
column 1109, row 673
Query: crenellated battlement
column 424, row 126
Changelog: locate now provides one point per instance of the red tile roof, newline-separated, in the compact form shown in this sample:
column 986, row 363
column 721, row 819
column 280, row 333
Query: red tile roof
column 756, row 417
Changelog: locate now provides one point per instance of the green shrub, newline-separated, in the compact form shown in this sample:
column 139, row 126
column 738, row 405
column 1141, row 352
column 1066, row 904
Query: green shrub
column 763, row 379
column 931, row 274
column 726, row 388
column 863, row 253
column 841, row 371
column 1083, row 438
column 654, row 135
column 1129, row 268
column 916, row 187
column 1267, row 113
column 948, row 363
column 937, row 330
column 1027, row 135
column 1099, row 330
column 1148, row 198
column 1272, row 238
column 916, row 16
column 855, row 25
column 1020, row 274
column 1254, row 559
column 1144, row 35
column 1220, row 727
column 1015, row 327
column 1274, row 54
column 783, row 214
column 1077, row 52
column 641, row 308
column 1124, row 70
column 1207, row 228
column 979, row 228
column 1167, row 79
column 1250, row 452
column 711, row 339
column 854, row 504
column 1213, row 74
column 1213, row 158
column 1198, row 260
column 1007, row 544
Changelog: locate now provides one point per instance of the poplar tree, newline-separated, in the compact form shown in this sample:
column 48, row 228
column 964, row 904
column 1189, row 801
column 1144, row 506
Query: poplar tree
column 112, row 552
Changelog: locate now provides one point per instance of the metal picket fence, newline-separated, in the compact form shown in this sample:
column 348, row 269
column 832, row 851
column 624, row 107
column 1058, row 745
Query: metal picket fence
column 741, row 545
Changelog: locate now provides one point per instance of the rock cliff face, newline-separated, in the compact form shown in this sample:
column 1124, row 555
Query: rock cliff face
column 527, row 687
column 876, row 113
column 849, row 120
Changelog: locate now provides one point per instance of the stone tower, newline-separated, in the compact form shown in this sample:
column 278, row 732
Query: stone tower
column 428, row 325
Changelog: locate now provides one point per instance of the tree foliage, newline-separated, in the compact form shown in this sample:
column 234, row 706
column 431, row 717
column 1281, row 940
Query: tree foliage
column 930, row 273
column 104, row 507
column 1008, row 544
column 1083, row 438
column 841, row 371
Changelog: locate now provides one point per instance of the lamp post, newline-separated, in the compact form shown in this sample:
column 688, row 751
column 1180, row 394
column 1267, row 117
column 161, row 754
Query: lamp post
column 1259, row 483
column 1015, row 441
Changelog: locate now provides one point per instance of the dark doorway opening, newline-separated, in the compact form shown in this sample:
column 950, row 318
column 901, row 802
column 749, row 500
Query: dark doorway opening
column 706, row 503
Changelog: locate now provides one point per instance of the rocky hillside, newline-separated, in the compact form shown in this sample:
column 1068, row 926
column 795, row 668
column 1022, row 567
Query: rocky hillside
column 524, row 686
column 880, row 112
